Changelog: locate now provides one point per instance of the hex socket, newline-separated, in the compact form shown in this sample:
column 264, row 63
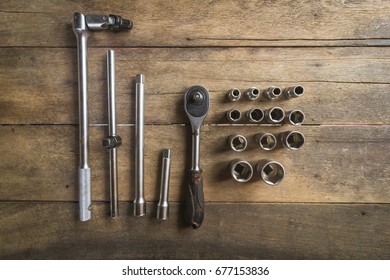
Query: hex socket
column 255, row 115
column 233, row 115
column 237, row 143
column 233, row 95
column 274, row 115
column 252, row 93
column 270, row 171
column 293, row 140
column 294, row 92
column 241, row 170
column 266, row 141
column 295, row 117
column 272, row 93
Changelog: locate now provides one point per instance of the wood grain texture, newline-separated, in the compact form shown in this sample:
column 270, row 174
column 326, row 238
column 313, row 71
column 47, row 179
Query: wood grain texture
column 204, row 23
column 230, row 231
column 334, row 202
column 337, row 164
column 343, row 85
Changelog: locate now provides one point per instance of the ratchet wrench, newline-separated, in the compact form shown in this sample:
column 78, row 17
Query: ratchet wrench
column 82, row 25
column 196, row 106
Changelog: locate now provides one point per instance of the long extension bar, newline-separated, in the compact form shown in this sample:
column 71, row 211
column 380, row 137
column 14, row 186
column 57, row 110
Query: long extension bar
column 139, row 201
column 82, row 25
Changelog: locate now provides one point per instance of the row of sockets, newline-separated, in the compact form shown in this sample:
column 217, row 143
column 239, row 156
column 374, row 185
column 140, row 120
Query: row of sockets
column 267, row 170
column 275, row 115
column 293, row 140
column 271, row 93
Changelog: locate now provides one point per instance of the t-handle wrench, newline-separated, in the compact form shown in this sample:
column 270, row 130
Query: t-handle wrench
column 196, row 105
column 82, row 24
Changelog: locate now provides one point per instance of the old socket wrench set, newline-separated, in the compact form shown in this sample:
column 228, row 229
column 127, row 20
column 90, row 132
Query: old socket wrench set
column 268, row 170
column 196, row 107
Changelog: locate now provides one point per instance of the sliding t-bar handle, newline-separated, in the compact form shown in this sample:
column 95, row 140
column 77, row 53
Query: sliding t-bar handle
column 82, row 24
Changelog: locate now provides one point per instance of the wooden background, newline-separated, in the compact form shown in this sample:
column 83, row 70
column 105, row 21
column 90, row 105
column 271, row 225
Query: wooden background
column 335, row 200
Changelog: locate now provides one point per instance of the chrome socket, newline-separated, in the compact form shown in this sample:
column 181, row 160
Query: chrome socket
column 272, row 93
column 255, row 115
column 294, row 92
column 274, row 115
column 270, row 171
column 234, row 115
column 241, row 170
column 237, row 143
column 266, row 141
column 252, row 93
column 295, row 117
column 233, row 95
column 293, row 140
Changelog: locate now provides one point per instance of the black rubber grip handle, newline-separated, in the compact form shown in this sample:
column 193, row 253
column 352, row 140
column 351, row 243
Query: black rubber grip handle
column 194, row 203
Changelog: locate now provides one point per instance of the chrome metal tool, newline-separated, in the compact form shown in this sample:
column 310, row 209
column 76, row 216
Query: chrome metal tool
column 196, row 106
column 112, row 141
column 163, row 204
column 139, row 200
column 82, row 25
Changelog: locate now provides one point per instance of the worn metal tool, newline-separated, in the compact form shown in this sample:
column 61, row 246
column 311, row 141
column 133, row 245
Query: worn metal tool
column 241, row 170
column 272, row 93
column 196, row 106
column 274, row 115
column 139, row 201
column 293, row 140
column 112, row 141
column 255, row 115
column 252, row 93
column 163, row 204
column 233, row 115
column 294, row 92
column 234, row 94
column 270, row 171
column 237, row 143
column 82, row 25
column 266, row 141
column 294, row 117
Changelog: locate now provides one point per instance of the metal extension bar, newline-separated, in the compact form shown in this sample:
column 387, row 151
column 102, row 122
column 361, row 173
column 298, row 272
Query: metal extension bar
column 139, row 201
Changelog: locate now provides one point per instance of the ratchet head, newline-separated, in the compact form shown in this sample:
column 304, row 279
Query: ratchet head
column 196, row 105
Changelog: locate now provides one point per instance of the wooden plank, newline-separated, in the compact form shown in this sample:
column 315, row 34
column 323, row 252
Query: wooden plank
column 204, row 23
column 230, row 231
column 39, row 86
column 337, row 164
